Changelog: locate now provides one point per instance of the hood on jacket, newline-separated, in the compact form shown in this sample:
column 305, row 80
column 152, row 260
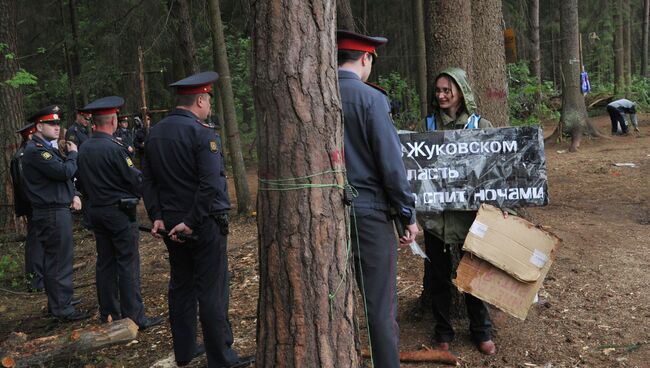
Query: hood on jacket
column 460, row 77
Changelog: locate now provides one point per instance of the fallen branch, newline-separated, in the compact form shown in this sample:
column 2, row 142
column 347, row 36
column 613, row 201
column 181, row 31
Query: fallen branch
column 423, row 355
column 18, row 352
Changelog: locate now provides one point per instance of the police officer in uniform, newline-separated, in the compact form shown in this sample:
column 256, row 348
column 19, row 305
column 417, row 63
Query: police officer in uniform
column 124, row 135
column 111, row 186
column 79, row 131
column 48, row 185
column 185, row 192
column 375, row 169
column 22, row 207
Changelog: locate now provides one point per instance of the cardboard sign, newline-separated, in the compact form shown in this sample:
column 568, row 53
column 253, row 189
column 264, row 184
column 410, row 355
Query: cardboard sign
column 461, row 169
column 519, row 249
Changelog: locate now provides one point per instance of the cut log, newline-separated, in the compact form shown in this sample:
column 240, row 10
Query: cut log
column 18, row 352
column 423, row 355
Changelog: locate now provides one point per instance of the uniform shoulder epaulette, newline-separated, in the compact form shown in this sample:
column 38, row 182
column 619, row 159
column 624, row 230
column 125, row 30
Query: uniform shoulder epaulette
column 117, row 142
column 383, row 91
column 204, row 124
column 39, row 145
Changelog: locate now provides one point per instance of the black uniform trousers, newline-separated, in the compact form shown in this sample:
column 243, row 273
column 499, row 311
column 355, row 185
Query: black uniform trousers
column 480, row 325
column 34, row 254
column 374, row 246
column 617, row 117
column 199, row 273
column 118, row 264
column 53, row 229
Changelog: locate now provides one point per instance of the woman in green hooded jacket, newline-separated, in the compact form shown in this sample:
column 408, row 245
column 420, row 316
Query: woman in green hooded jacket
column 453, row 108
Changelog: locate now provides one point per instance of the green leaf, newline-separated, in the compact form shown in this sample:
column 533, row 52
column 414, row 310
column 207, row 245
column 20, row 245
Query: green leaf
column 22, row 78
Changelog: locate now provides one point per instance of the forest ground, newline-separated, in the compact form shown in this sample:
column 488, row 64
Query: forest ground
column 594, row 308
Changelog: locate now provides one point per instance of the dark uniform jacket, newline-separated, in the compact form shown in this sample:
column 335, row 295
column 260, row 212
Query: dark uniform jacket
column 373, row 154
column 22, row 207
column 77, row 133
column 48, row 176
column 184, row 175
column 106, row 172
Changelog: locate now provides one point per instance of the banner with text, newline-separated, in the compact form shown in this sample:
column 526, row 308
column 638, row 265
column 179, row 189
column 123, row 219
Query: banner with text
column 460, row 169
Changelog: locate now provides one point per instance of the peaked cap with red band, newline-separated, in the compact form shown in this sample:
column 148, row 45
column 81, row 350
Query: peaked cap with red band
column 104, row 106
column 347, row 40
column 26, row 130
column 196, row 84
column 50, row 114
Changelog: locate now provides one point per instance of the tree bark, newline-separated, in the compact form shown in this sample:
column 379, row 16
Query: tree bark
column 449, row 37
column 422, row 56
column 574, row 112
column 644, row 41
column 627, row 44
column 535, row 58
column 306, row 301
column 18, row 352
column 344, row 16
column 489, row 61
column 230, row 115
column 186, row 38
column 75, row 58
column 619, row 57
column 11, row 107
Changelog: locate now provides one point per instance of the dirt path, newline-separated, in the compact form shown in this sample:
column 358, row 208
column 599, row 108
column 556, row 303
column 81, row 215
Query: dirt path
column 594, row 309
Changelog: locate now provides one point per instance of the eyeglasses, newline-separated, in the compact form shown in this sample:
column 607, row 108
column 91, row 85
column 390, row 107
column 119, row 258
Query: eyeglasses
column 444, row 91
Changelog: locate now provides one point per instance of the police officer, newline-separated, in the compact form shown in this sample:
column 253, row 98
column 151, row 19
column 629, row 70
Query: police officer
column 124, row 135
column 185, row 191
column 48, row 185
column 375, row 169
column 617, row 110
column 22, row 207
column 79, row 131
column 111, row 186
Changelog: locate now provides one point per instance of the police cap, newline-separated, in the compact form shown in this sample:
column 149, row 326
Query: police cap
column 196, row 84
column 351, row 41
column 104, row 106
column 123, row 119
column 26, row 130
column 49, row 115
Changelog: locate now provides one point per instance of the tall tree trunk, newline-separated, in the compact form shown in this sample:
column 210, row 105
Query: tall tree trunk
column 644, row 42
column 449, row 43
column 306, row 300
column 619, row 57
column 422, row 56
column 489, row 61
column 344, row 16
column 574, row 112
column 449, row 37
column 75, row 58
column 186, row 37
column 230, row 115
column 627, row 44
column 11, row 106
column 533, row 29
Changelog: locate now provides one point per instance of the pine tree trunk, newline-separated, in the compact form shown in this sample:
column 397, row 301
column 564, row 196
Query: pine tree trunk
column 11, row 107
column 535, row 58
column 186, row 38
column 306, row 300
column 422, row 56
column 230, row 115
column 627, row 44
column 449, row 37
column 619, row 57
column 489, row 62
column 574, row 112
column 644, row 42
column 344, row 16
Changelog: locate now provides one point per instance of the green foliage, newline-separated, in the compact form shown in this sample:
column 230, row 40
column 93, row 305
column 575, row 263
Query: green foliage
column 405, row 102
column 9, row 271
column 639, row 92
column 522, row 97
column 22, row 78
